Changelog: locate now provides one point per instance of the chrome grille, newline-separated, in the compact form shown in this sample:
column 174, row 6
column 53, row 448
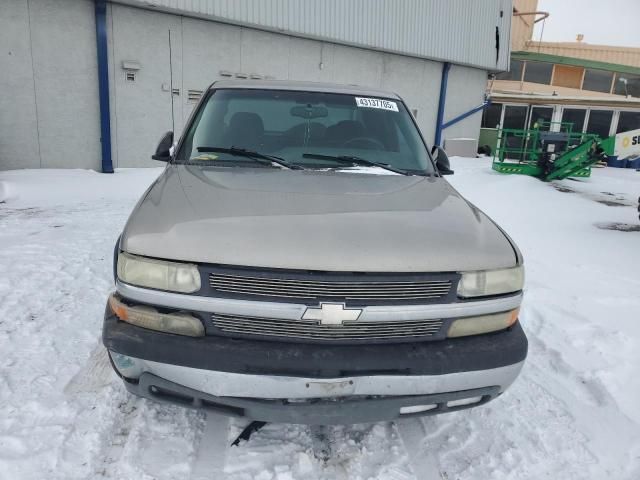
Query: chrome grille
column 339, row 289
column 303, row 329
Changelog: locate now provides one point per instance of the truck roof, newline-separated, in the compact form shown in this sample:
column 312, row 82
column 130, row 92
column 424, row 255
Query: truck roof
column 304, row 87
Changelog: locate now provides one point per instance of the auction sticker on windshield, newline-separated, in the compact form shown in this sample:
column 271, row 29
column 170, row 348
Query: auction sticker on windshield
column 377, row 103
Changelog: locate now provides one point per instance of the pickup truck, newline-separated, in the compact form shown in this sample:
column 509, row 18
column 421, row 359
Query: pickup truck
column 302, row 259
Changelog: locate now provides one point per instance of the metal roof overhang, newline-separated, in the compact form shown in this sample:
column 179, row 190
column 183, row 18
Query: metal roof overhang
column 576, row 62
column 533, row 99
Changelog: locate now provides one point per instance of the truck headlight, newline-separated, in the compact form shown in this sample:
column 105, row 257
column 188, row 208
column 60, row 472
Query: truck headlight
column 149, row 317
column 491, row 282
column 493, row 322
column 159, row 274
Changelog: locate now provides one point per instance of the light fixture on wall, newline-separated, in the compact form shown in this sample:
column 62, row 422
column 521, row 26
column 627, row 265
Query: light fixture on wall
column 130, row 68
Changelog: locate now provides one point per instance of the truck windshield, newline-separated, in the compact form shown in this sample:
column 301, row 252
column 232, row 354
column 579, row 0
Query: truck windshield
column 306, row 129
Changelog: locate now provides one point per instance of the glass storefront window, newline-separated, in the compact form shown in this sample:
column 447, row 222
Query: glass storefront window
column 633, row 85
column 575, row 116
column 514, row 73
column 515, row 116
column 628, row 121
column 597, row 80
column 491, row 116
column 538, row 72
column 540, row 115
column 599, row 122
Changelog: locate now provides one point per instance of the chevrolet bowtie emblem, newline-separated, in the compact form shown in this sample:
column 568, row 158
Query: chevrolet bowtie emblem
column 331, row 314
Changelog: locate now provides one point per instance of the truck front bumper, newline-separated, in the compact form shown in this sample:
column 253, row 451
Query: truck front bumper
column 313, row 383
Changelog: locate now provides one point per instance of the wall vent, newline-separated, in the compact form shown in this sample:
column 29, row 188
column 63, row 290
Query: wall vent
column 176, row 91
column 130, row 76
column 194, row 95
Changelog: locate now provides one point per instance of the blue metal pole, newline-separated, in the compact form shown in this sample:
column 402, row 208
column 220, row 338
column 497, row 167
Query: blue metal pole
column 441, row 102
column 103, row 85
column 466, row 114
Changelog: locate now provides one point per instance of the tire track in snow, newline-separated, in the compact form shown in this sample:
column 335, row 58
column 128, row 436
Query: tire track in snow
column 607, row 430
column 122, row 426
column 422, row 457
column 211, row 452
column 599, row 424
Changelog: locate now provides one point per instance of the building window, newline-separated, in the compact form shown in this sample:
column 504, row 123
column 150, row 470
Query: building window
column 574, row 116
column 491, row 116
column 597, row 80
column 567, row 76
column 628, row 121
column 600, row 122
column 541, row 118
column 515, row 116
column 514, row 73
column 538, row 72
column 633, row 85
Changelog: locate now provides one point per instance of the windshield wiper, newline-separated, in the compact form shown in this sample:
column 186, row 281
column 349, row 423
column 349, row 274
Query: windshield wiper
column 255, row 156
column 355, row 161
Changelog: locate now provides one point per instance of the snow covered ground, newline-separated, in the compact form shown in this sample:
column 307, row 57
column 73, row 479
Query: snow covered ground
column 573, row 414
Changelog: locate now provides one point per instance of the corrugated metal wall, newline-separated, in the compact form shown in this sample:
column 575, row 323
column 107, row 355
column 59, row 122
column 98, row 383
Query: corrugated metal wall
column 459, row 31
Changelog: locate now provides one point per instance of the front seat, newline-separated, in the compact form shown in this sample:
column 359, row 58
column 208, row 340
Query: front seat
column 246, row 130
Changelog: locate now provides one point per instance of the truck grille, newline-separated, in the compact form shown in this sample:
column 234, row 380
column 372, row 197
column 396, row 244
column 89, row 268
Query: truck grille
column 312, row 330
column 328, row 288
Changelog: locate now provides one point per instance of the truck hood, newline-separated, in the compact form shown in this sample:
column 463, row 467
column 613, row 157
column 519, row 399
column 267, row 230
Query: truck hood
column 313, row 220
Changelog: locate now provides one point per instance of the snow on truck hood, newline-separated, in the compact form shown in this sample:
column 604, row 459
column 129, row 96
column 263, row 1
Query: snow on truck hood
column 313, row 220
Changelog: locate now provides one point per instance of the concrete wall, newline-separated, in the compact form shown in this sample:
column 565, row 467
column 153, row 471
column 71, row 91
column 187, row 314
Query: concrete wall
column 48, row 78
column 522, row 25
column 19, row 146
column 466, row 88
column 49, row 111
column 141, row 110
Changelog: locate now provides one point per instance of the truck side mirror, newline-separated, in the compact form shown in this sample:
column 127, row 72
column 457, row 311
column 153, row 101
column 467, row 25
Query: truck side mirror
column 163, row 150
column 442, row 160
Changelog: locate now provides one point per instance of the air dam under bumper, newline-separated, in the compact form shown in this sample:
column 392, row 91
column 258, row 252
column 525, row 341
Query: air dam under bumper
column 315, row 384
column 314, row 401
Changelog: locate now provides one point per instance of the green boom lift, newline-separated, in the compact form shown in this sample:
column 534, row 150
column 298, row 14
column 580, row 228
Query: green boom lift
column 549, row 151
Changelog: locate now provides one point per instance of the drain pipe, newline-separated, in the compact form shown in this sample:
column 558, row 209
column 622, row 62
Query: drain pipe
column 103, row 85
column 446, row 66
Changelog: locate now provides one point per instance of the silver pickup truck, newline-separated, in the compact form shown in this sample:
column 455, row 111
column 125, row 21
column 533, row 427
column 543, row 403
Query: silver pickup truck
column 302, row 259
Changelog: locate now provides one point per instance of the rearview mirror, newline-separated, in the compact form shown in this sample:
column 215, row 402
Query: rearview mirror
column 163, row 150
column 309, row 111
column 442, row 160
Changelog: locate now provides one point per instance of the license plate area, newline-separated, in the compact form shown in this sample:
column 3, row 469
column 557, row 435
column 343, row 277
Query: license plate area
column 330, row 388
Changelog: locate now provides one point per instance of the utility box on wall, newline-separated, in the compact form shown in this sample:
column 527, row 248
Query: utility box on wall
column 461, row 147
